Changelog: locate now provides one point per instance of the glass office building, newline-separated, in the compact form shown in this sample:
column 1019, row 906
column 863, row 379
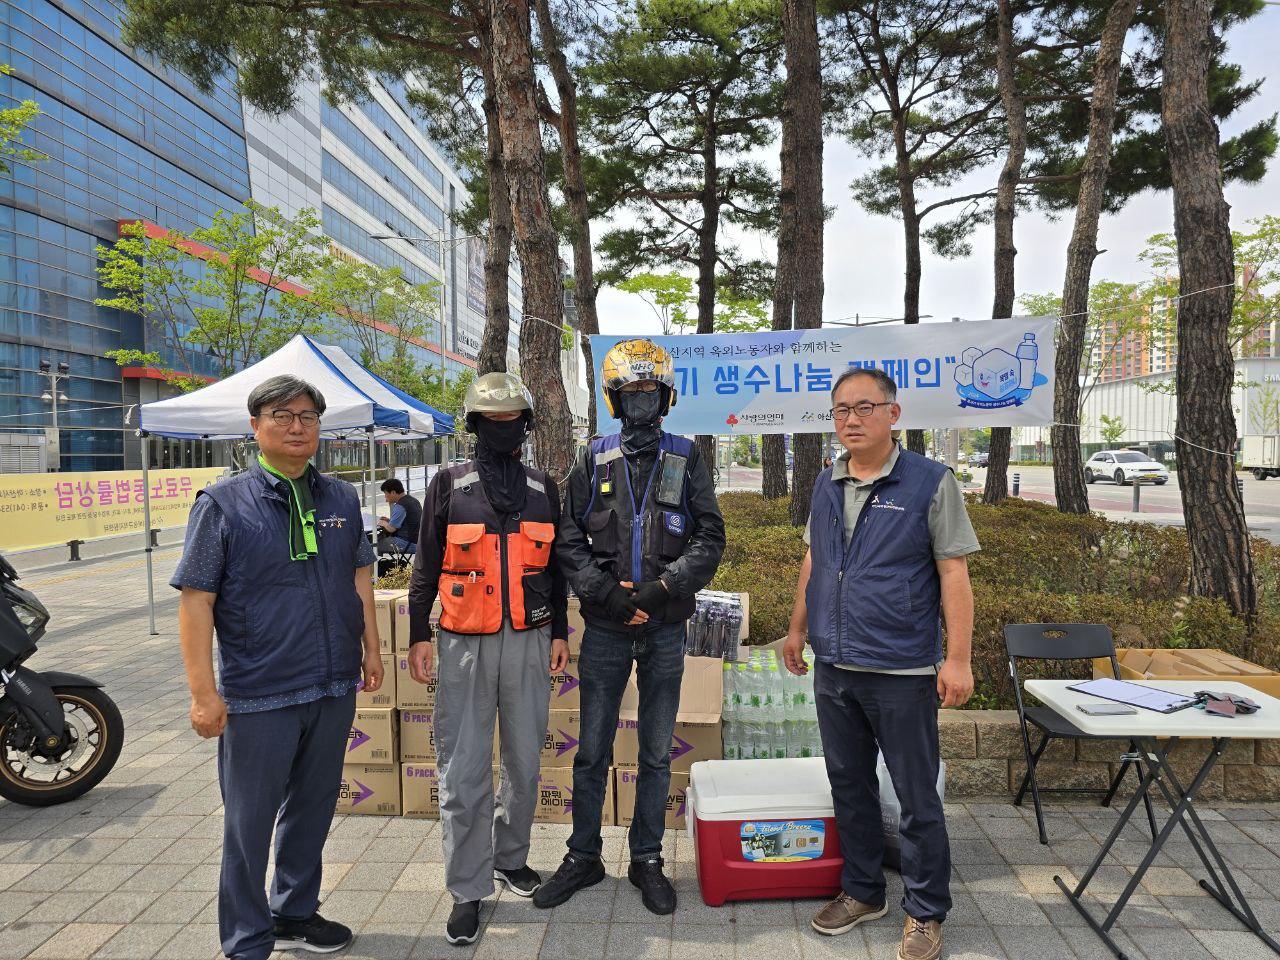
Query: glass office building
column 124, row 138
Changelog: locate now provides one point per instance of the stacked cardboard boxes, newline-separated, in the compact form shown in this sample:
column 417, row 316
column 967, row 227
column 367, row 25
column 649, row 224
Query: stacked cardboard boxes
column 1189, row 664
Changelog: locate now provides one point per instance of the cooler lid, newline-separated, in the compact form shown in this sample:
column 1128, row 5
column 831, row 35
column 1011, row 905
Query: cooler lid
column 745, row 787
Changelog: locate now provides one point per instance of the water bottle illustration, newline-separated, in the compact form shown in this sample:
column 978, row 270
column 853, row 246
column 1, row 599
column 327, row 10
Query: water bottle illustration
column 1028, row 353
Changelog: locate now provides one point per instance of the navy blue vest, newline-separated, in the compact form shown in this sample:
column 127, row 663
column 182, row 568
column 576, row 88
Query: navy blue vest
column 877, row 601
column 285, row 624
column 633, row 537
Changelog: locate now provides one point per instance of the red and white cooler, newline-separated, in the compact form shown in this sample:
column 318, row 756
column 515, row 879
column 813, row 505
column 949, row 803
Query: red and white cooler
column 763, row 829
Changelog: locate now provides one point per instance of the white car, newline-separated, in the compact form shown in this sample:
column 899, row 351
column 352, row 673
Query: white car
column 1124, row 466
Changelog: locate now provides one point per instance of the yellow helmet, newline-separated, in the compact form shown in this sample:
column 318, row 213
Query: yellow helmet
column 631, row 361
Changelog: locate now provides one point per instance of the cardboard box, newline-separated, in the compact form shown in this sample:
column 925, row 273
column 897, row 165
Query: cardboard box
column 1206, row 664
column 564, row 728
column 370, row 788
column 576, row 626
column 401, row 616
column 566, row 688
column 555, row 796
column 386, row 695
column 624, row 792
column 420, row 790
column 372, row 738
column 697, row 734
column 410, row 694
column 384, row 605
column 417, row 736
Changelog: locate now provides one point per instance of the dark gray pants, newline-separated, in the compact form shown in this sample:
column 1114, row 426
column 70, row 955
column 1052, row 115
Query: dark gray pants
column 278, row 769
column 858, row 712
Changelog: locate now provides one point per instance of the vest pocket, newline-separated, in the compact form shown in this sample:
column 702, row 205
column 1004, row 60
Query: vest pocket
column 464, row 547
column 466, row 602
column 673, row 529
column 536, row 588
column 602, row 527
column 534, row 541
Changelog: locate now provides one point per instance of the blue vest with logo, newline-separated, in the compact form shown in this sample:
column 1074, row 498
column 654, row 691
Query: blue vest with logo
column 283, row 624
column 876, row 601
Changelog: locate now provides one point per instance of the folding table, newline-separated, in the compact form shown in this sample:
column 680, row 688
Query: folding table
column 1155, row 735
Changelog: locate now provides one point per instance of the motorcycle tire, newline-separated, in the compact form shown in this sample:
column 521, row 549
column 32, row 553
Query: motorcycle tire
column 83, row 706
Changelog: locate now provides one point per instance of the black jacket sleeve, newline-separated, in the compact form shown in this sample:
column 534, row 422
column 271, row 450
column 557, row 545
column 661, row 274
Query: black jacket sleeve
column 425, row 582
column 559, row 586
column 693, row 569
column 573, row 551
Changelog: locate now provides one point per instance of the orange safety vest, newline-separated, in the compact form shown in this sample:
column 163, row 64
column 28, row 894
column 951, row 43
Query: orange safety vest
column 476, row 585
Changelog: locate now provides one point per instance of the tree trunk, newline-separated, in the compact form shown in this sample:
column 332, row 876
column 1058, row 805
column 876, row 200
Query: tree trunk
column 911, row 234
column 575, row 189
column 1015, row 109
column 773, row 446
column 708, row 234
column 522, row 156
column 497, row 258
column 1221, row 564
column 1068, row 466
column 804, row 91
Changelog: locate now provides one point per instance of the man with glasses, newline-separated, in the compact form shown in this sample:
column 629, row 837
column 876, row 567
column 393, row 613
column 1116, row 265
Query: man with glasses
column 640, row 535
column 277, row 563
column 888, row 545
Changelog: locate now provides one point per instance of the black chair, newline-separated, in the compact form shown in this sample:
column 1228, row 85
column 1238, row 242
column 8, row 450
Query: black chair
column 394, row 558
column 1060, row 641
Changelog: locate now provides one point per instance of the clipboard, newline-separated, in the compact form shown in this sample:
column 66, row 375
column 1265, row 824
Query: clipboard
column 1135, row 695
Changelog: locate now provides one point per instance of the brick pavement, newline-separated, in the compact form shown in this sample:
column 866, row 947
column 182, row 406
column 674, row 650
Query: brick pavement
column 130, row 870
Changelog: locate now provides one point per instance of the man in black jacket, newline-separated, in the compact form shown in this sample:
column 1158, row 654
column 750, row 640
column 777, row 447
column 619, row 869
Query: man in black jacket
column 640, row 535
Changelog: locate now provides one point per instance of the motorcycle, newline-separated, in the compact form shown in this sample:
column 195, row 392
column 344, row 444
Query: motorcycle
column 60, row 734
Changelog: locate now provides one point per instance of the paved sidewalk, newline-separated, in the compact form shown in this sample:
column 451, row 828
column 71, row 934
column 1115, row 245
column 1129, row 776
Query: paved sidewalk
column 130, row 871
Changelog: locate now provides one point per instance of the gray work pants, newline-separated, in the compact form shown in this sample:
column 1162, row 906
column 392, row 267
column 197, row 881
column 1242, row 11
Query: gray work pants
column 502, row 674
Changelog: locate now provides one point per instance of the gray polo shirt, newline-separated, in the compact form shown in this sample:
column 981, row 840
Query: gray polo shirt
column 949, row 526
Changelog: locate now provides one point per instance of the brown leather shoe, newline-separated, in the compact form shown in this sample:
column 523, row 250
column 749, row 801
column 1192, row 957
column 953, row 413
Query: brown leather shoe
column 921, row 940
column 844, row 913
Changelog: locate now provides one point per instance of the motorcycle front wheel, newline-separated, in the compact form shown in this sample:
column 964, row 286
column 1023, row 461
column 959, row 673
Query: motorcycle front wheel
column 95, row 734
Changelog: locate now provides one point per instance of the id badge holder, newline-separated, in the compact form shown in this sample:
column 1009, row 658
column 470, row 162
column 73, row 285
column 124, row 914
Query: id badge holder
column 671, row 479
column 606, row 483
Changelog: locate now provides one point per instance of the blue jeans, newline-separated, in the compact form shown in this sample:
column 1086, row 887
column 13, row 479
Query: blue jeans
column 608, row 651
column 278, row 769
column 858, row 713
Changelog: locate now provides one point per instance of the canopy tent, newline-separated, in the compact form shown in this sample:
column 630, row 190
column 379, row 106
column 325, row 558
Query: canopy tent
column 357, row 402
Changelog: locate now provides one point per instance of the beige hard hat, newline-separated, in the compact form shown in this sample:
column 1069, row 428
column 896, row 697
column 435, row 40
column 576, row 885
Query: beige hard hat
column 496, row 393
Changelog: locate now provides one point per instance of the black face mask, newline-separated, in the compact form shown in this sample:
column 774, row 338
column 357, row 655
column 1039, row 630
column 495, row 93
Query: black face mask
column 641, row 409
column 497, row 457
column 499, row 438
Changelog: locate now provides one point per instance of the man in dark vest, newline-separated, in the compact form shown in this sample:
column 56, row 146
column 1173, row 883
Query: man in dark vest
column 399, row 532
column 888, row 545
column 640, row 535
column 485, row 549
column 277, row 562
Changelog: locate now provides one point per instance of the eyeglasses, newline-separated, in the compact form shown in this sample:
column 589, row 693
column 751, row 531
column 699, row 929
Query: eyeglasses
column 285, row 418
column 862, row 410
column 640, row 386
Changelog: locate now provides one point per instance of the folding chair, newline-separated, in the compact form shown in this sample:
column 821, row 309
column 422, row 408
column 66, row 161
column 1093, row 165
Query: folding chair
column 394, row 558
column 1061, row 641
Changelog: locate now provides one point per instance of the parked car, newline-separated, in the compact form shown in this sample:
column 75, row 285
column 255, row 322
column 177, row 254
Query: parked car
column 1124, row 466
column 978, row 459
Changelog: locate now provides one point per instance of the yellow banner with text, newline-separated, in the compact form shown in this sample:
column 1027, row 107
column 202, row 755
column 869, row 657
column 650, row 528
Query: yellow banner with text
column 44, row 509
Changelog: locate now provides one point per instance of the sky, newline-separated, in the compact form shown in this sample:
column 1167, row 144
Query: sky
column 863, row 259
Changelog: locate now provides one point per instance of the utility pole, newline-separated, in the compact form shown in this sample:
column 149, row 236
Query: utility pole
column 53, row 395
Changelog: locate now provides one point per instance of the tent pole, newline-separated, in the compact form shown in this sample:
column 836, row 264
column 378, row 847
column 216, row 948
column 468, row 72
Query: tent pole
column 145, row 443
column 373, row 452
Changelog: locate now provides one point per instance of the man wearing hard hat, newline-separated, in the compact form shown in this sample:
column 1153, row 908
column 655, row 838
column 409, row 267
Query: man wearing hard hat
column 640, row 535
column 485, row 549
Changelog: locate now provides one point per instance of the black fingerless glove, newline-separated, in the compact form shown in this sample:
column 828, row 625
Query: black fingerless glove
column 651, row 597
column 620, row 604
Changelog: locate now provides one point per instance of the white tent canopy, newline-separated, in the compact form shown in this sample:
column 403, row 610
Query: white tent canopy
column 357, row 401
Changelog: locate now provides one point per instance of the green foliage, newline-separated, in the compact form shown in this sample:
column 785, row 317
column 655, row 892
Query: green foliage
column 673, row 301
column 1036, row 566
column 13, row 123
column 235, row 305
column 1111, row 429
column 137, row 358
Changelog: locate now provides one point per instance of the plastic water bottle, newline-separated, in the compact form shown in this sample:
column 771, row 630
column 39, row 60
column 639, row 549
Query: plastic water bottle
column 777, row 740
column 798, row 741
column 1028, row 353
column 729, row 705
column 773, row 697
column 755, row 692
column 814, row 738
column 732, row 740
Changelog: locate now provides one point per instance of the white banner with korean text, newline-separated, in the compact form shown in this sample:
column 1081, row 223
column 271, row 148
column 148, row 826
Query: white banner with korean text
column 983, row 373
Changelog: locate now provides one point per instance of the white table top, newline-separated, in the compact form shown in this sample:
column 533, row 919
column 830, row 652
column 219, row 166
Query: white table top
column 1191, row 722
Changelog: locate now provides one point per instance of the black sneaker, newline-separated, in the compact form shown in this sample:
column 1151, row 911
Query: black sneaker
column 315, row 934
column 464, row 923
column 521, row 881
column 575, row 873
column 656, row 891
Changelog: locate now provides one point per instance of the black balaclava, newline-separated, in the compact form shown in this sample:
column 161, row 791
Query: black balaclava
column 641, row 414
column 498, row 458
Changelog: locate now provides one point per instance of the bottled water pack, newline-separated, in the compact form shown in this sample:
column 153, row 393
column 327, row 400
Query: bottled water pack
column 768, row 712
